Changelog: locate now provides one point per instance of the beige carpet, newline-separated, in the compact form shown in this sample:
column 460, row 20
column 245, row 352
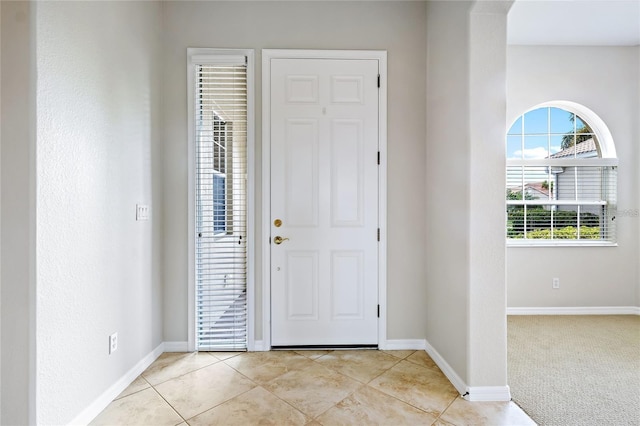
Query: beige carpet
column 576, row 370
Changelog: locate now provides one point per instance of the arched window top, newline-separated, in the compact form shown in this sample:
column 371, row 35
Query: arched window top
column 559, row 129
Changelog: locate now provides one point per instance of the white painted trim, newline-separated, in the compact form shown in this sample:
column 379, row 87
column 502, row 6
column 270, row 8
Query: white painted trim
column 191, row 201
column 448, row 371
column 266, row 200
column 268, row 54
column 251, row 200
column 100, row 403
column 470, row 393
column 258, row 346
column 404, row 344
column 176, row 347
column 202, row 54
column 381, row 57
column 585, row 310
column 488, row 393
column 382, row 198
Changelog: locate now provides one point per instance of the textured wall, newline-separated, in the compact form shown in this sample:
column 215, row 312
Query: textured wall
column 447, row 191
column 399, row 28
column 488, row 107
column 97, row 130
column 465, row 256
column 605, row 80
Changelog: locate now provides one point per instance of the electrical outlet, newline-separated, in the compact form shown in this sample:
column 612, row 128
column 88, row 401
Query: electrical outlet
column 555, row 283
column 113, row 343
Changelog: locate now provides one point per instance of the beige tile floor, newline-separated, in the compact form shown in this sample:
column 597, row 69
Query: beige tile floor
column 300, row 388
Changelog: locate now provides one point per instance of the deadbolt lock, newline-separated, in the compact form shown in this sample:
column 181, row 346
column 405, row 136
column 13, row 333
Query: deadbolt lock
column 277, row 223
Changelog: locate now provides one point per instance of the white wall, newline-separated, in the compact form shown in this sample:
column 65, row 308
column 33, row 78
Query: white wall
column 447, row 177
column 98, row 270
column 466, row 107
column 604, row 79
column 487, row 282
column 399, row 28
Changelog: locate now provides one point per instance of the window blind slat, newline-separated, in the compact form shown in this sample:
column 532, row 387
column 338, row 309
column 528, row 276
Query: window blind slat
column 221, row 205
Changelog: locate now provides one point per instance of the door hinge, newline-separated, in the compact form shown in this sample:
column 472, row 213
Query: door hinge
column 378, row 81
column 378, row 234
column 378, row 158
column 378, row 311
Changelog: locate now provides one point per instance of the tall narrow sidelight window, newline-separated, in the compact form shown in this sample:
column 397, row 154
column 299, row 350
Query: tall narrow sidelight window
column 220, row 138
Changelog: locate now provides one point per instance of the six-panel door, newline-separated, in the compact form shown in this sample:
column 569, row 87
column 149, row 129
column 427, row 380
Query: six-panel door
column 324, row 191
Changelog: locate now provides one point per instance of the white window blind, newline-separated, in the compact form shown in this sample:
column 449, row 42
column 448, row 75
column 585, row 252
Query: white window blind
column 559, row 188
column 221, row 203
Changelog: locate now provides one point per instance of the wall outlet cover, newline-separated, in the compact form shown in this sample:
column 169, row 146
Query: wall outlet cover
column 113, row 343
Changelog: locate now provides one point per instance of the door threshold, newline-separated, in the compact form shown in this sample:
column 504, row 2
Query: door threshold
column 323, row 347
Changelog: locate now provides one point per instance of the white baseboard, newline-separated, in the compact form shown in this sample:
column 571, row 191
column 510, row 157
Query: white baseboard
column 96, row 407
column 453, row 377
column 587, row 310
column 176, row 347
column 488, row 393
column 470, row 393
column 402, row 345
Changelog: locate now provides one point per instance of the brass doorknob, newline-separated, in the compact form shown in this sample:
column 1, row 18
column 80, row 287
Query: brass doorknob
column 279, row 240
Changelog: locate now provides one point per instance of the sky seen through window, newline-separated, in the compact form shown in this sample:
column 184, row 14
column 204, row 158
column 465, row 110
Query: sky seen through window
column 539, row 133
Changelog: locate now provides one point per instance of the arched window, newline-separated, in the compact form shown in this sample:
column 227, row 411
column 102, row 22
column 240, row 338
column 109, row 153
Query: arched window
column 561, row 178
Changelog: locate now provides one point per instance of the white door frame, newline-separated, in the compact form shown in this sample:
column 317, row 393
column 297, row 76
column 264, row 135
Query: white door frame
column 267, row 55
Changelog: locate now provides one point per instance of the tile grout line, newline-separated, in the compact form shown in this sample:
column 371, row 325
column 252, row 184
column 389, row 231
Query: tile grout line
column 448, row 406
column 235, row 396
column 222, row 403
column 398, row 361
column 117, row 398
column 314, row 360
column 197, row 369
column 348, row 396
column 407, row 402
column 395, row 397
column 306, row 416
column 183, row 374
column 169, row 404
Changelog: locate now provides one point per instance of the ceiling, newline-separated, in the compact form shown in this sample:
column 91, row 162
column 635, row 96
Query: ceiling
column 574, row 22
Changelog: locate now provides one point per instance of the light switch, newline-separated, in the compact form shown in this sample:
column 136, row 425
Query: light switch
column 142, row 212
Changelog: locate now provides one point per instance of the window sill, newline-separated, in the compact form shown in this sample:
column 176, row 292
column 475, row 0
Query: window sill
column 559, row 243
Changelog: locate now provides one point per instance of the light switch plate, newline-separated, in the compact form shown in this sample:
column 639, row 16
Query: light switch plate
column 142, row 212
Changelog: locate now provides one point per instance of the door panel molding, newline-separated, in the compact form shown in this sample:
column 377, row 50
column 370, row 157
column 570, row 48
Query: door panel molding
column 267, row 56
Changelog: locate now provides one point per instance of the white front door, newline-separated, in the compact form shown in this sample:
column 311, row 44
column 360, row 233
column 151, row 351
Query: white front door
column 324, row 201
